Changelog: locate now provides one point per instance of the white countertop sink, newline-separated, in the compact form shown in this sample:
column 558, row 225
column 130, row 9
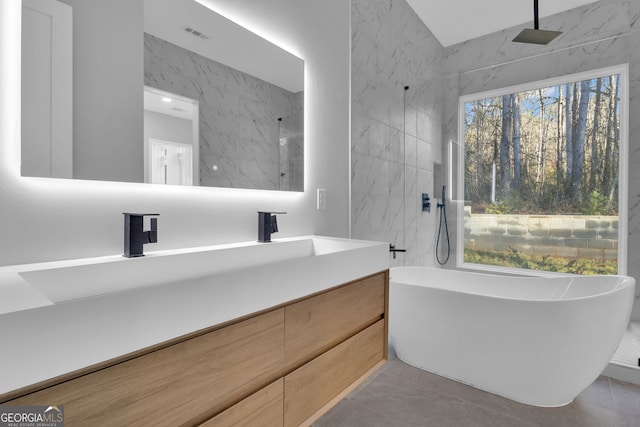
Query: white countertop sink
column 63, row 281
column 92, row 310
column 99, row 276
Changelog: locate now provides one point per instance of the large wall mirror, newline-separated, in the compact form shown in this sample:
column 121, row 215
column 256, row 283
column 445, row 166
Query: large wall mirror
column 157, row 91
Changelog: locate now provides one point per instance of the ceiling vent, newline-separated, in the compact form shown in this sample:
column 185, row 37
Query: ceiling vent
column 195, row 32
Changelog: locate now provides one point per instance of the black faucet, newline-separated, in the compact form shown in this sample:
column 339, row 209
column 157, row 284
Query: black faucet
column 135, row 237
column 392, row 249
column 267, row 224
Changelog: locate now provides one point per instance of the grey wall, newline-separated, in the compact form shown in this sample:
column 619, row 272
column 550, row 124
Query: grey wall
column 396, row 134
column 238, row 114
column 598, row 35
column 107, row 89
column 168, row 128
column 558, row 235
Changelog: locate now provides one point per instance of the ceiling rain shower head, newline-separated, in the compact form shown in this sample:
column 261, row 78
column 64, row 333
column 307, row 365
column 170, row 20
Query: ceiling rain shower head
column 536, row 35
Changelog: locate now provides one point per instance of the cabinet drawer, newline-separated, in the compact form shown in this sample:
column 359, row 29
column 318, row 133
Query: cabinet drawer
column 316, row 324
column 176, row 384
column 313, row 385
column 264, row 408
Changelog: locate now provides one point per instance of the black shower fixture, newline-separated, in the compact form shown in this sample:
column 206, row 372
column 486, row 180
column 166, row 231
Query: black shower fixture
column 536, row 35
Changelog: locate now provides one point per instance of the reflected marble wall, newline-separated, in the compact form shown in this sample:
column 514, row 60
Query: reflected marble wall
column 396, row 136
column 238, row 115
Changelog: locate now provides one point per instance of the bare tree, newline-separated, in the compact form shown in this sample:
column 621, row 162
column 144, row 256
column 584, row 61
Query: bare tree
column 616, row 142
column 505, row 143
column 578, row 139
column 541, row 142
column 568, row 96
column 559, row 151
column 595, row 162
column 517, row 158
column 568, row 133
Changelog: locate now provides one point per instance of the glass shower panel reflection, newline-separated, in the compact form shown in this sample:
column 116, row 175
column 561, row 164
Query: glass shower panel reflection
column 290, row 153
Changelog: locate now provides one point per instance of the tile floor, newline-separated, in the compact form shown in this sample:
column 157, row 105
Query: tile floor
column 399, row 395
column 628, row 351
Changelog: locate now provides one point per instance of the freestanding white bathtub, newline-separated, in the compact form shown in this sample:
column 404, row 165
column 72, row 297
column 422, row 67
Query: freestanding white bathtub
column 535, row 340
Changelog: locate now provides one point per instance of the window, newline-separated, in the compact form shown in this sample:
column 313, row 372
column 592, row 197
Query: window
column 543, row 173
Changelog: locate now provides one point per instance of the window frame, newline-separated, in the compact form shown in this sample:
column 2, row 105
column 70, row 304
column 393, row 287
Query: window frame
column 623, row 161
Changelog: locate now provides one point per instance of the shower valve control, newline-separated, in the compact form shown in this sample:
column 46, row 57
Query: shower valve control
column 426, row 202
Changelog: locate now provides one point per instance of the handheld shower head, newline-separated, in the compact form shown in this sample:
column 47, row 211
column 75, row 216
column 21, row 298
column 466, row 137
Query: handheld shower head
column 442, row 210
column 443, row 197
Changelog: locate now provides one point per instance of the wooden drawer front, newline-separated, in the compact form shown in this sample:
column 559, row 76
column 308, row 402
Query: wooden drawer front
column 177, row 384
column 264, row 408
column 316, row 324
column 313, row 385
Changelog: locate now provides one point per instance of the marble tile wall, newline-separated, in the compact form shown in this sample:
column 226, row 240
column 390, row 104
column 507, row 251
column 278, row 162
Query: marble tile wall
column 238, row 116
column 591, row 23
column 597, row 35
column 396, row 134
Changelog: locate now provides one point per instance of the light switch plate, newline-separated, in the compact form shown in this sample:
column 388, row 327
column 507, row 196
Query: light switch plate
column 322, row 199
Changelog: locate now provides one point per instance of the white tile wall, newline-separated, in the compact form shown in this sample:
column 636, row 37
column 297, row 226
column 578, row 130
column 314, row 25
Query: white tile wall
column 396, row 136
column 391, row 48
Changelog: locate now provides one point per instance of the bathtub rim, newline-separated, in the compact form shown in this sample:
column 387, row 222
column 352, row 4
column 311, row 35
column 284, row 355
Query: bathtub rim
column 622, row 283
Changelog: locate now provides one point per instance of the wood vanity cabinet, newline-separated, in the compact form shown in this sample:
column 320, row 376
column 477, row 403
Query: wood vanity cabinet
column 314, row 384
column 264, row 408
column 274, row 368
column 316, row 324
column 170, row 386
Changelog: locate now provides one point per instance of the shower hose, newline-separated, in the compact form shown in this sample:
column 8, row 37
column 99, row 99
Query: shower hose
column 442, row 209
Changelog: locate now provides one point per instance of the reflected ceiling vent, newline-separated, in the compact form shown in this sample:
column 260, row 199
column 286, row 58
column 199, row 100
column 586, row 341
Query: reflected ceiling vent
column 536, row 35
column 195, row 32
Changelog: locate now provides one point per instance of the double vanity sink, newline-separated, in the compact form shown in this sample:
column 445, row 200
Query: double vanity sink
column 59, row 317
